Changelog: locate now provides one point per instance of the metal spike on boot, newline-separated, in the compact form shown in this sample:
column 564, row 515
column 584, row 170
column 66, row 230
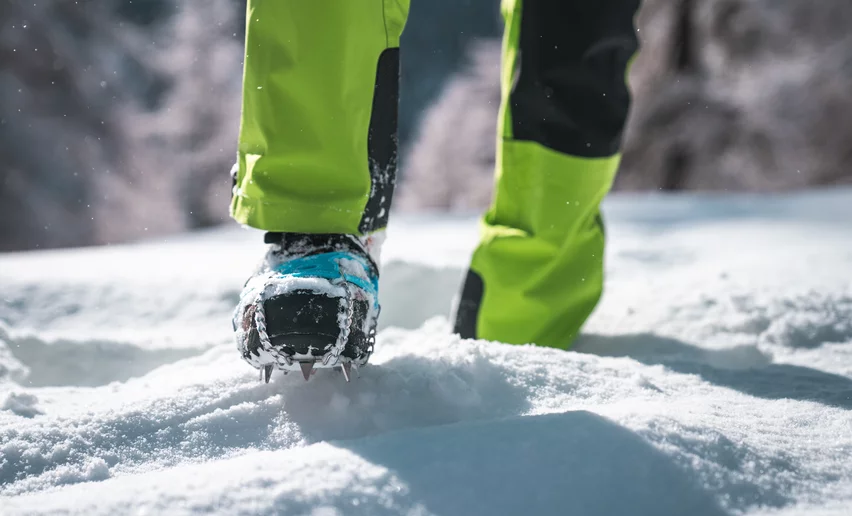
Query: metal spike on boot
column 307, row 369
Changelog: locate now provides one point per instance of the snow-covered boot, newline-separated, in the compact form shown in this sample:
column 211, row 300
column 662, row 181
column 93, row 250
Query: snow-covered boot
column 313, row 303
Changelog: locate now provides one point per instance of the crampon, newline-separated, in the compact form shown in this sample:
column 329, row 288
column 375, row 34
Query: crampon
column 313, row 304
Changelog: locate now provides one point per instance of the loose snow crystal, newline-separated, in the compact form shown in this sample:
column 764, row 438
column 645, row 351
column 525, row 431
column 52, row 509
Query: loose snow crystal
column 715, row 378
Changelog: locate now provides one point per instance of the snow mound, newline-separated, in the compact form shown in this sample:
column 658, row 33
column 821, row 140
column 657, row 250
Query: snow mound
column 715, row 378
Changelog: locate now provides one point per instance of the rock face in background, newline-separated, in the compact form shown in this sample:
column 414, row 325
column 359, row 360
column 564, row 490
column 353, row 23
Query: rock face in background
column 118, row 118
column 728, row 95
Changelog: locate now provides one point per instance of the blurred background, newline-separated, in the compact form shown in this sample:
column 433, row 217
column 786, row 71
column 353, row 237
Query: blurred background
column 118, row 118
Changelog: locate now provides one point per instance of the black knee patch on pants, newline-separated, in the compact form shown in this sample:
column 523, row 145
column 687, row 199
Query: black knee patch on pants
column 570, row 92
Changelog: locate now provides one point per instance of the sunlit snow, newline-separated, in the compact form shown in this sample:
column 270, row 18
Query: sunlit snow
column 715, row 378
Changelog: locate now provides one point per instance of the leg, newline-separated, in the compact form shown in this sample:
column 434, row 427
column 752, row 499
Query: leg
column 316, row 169
column 538, row 271
column 317, row 149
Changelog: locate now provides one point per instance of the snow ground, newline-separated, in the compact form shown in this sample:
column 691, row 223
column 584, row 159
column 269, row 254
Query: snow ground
column 715, row 378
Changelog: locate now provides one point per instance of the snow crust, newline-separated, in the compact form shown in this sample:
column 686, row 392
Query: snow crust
column 715, row 378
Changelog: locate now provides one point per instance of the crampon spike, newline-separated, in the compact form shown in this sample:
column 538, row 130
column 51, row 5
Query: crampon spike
column 346, row 368
column 267, row 372
column 307, row 369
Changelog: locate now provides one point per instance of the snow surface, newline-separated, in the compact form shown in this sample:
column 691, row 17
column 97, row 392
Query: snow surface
column 715, row 378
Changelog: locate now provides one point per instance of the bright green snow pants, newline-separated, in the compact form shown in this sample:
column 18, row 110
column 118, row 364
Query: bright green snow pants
column 318, row 145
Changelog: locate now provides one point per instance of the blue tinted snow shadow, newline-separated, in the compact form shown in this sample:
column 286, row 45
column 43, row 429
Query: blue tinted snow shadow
column 413, row 293
column 742, row 368
column 87, row 363
column 558, row 464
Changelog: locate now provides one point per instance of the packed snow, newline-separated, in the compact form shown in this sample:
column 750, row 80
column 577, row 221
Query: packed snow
column 715, row 378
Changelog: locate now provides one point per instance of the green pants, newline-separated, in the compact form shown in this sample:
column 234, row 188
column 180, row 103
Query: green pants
column 318, row 145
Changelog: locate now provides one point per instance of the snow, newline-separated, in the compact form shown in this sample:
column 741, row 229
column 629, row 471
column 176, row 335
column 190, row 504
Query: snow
column 715, row 378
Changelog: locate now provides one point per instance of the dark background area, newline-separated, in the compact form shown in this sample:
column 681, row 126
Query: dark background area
column 118, row 118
